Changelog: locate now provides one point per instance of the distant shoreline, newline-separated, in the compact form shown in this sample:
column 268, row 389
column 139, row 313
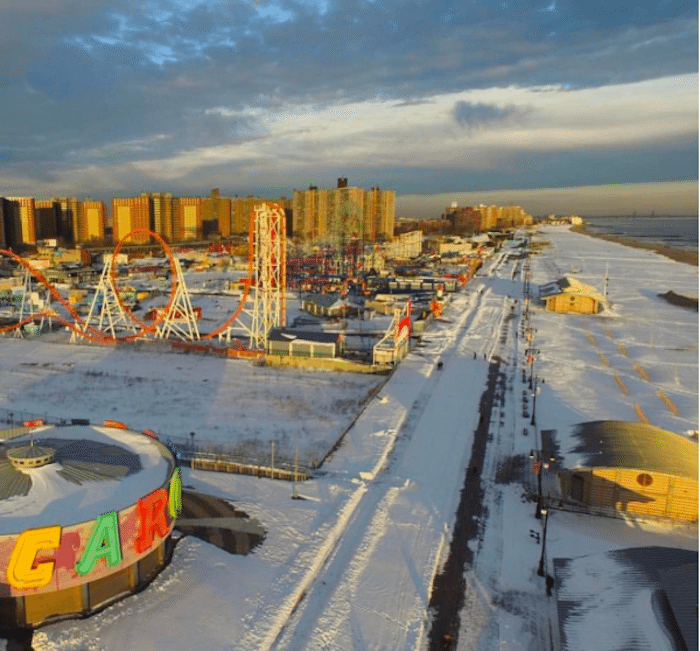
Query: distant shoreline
column 679, row 255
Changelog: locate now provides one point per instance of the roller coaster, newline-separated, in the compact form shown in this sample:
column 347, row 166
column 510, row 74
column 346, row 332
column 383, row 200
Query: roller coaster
column 262, row 301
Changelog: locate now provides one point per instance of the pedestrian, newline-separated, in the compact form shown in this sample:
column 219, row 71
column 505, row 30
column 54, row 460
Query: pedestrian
column 550, row 584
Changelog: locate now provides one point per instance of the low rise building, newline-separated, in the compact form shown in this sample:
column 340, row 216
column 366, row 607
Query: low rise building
column 570, row 295
column 631, row 468
column 294, row 343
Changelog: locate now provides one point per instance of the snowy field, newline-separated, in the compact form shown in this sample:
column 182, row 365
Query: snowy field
column 230, row 402
column 352, row 565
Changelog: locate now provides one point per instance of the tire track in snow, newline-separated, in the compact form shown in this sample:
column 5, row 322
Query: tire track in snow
column 332, row 579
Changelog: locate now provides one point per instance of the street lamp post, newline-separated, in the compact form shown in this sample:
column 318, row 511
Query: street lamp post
column 534, row 400
column 540, row 570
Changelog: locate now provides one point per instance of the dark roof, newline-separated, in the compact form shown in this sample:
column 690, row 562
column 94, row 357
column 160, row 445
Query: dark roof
column 626, row 444
column 284, row 334
column 614, row 582
column 79, row 461
column 324, row 300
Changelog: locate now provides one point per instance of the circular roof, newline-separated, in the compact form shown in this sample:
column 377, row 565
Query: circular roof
column 94, row 470
column 627, row 444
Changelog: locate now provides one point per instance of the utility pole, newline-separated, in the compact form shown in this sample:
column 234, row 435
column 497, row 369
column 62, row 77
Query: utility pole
column 295, row 494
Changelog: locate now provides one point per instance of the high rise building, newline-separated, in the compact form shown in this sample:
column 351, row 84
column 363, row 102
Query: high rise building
column 92, row 219
column 68, row 230
column 47, row 219
column 343, row 212
column 216, row 214
column 380, row 214
column 128, row 214
column 241, row 208
column 310, row 213
column 162, row 208
column 188, row 219
column 10, row 231
column 25, row 210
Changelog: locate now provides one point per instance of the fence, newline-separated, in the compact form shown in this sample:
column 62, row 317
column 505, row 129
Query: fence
column 276, row 462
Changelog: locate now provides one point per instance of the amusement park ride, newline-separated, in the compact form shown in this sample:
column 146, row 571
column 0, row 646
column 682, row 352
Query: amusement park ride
column 261, row 307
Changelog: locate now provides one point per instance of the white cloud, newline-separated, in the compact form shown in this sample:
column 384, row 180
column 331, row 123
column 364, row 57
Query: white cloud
column 379, row 134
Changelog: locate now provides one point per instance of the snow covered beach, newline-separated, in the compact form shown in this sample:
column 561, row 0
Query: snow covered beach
column 352, row 566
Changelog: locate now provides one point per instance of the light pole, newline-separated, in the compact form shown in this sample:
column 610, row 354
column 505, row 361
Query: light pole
column 534, row 400
column 540, row 570
column 537, row 466
column 541, row 461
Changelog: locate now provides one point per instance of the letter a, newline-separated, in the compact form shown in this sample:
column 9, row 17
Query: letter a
column 104, row 541
column 21, row 573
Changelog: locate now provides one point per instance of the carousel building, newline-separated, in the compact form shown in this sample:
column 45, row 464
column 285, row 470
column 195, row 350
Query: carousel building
column 86, row 513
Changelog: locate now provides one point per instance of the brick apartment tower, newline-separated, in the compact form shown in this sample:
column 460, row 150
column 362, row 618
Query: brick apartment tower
column 216, row 214
column 345, row 211
column 24, row 209
column 128, row 214
column 188, row 219
column 91, row 221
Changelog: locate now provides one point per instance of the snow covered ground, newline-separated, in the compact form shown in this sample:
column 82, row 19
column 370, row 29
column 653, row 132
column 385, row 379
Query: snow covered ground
column 352, row 565
column 231, row 402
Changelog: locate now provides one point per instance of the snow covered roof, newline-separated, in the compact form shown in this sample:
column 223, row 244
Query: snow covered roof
column 634, row 599
column 627, row 444
column 282, row 334
column 569, row 285
column 96, row 469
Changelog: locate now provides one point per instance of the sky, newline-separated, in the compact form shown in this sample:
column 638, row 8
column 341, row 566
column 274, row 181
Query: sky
column 109, row 98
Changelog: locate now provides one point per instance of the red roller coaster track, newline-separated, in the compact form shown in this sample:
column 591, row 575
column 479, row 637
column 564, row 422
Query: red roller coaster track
column 84, row 329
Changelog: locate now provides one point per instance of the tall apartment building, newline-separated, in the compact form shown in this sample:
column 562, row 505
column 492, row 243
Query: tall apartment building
column 162, row 211
column 47, row 219
column 25, row 210
column 241, row 208
column 342, row 212
column 216, row 214
column 380, row 214
column 69, row 218
column 10, row 228
column 91, row 221
column 128, row 214
column 188, row 219
column 310, row 213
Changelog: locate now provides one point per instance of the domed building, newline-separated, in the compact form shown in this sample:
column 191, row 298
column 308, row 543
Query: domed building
column 86, row 513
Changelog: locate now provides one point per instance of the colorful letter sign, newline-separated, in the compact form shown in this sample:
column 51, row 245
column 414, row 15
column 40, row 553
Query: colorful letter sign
column 104, row 541
column 175, row 494
column 120, row 538
column 21, row 572
column 152, row 518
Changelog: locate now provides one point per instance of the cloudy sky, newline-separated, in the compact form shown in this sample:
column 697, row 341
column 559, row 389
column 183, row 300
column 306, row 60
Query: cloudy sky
column 115, row 97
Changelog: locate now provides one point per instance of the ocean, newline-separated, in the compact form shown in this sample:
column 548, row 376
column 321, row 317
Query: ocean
column 676, row 232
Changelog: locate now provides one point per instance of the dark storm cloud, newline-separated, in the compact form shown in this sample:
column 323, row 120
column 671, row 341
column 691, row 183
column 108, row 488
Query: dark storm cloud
column 103, row 78
column 476, row 115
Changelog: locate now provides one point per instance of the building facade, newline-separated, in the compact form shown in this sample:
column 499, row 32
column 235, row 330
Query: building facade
column 24, row 208
column 334, row 215
column 92, row 220
column 188, row 219
column 128, row 214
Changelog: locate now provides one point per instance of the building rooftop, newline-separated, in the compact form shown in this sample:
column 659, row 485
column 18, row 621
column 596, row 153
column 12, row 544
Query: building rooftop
column 95, row 469
column 626, row 444
column 640, row 599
